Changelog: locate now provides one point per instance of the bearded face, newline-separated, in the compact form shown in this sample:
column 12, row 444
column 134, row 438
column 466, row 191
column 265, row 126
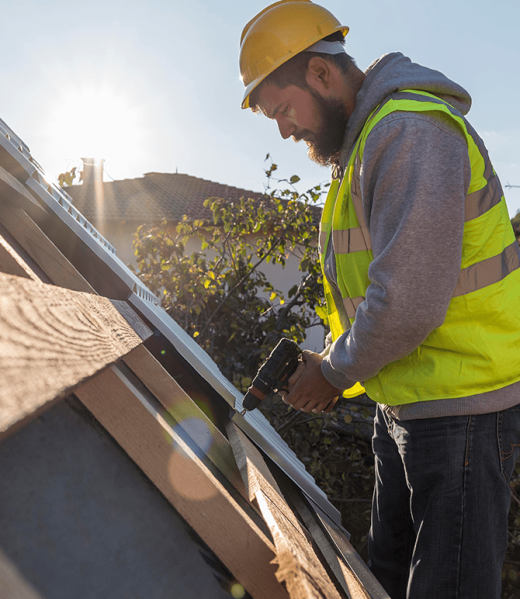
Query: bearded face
column 325, row 144
column 303, row 113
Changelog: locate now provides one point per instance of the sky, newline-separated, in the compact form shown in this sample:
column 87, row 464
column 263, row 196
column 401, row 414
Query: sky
column 153, row 86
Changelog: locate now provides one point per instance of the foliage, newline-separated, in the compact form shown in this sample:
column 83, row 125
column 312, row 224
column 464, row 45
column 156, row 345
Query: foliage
column 67, row 179
column 219, row 294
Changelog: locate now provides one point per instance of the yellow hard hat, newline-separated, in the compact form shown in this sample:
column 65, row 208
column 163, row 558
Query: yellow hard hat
column 278, row 33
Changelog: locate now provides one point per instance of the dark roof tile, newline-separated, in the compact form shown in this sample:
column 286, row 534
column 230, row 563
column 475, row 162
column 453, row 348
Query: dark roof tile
column 153, row 197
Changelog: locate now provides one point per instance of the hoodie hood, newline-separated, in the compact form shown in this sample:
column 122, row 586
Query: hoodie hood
column 395, row 72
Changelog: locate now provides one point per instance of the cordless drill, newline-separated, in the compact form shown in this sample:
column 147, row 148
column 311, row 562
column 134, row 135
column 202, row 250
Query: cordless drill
column 273, row 373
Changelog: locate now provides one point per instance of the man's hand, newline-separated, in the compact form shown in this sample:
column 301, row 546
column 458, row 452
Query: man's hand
column 309, row 390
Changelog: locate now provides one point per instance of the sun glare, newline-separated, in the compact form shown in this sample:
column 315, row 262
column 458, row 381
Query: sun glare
column 96, row 121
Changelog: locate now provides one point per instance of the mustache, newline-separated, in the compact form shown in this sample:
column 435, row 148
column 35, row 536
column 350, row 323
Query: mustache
column 305, row 134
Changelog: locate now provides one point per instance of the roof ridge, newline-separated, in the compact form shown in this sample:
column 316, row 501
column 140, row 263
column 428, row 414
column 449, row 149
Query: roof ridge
column 202, row 179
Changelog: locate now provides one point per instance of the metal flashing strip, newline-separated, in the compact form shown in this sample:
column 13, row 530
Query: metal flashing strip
column 60, row 204
column 187, row 348
column 254, row 423
column 14, row 150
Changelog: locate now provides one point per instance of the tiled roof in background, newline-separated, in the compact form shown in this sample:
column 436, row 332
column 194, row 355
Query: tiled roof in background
column 153, row 197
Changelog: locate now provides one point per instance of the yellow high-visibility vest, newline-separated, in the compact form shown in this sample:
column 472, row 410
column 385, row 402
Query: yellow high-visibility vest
column 477, row 348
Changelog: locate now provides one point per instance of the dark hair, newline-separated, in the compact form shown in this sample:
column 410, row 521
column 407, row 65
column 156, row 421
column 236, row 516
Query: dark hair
column 294, row 71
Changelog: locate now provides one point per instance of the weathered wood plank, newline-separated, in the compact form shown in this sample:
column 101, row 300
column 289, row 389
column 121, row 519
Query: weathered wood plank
column 14, row 192
column 41, row 249
column 176, row 470
column 186, row 412
column 11, row 263
column 132, row 319
column 12, row 584
column 50, row 340
column 347, row 578
column 350, row 557
column 299, row 566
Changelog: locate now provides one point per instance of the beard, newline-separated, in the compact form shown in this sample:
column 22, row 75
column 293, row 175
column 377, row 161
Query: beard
column 325, row 147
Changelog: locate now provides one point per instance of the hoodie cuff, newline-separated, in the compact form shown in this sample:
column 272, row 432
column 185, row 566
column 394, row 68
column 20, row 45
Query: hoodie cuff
column 335, row 377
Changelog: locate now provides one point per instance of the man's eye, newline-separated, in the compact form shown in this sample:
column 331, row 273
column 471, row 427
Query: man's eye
column 285, row 110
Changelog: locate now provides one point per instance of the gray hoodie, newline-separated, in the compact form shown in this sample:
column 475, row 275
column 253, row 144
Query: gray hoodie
column 414, row 179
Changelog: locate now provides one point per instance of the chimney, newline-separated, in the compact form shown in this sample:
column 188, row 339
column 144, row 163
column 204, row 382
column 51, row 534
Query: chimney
column 92, row 171
column 93, row 180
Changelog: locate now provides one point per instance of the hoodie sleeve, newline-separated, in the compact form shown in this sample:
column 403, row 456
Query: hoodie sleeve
column 414, row 178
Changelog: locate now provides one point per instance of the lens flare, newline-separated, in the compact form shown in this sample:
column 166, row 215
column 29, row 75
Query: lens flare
column 237, row 591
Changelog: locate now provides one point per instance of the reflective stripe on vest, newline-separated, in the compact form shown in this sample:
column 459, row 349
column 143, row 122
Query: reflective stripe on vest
column 482, row 308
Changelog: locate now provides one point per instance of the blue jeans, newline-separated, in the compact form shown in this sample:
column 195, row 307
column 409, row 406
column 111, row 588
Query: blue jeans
column 441, row 503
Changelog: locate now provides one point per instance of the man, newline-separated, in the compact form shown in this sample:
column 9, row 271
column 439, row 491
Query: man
column 422, row 280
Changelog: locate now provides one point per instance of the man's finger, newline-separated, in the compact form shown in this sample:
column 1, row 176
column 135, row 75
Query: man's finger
column 326, row 406
column 293, row 379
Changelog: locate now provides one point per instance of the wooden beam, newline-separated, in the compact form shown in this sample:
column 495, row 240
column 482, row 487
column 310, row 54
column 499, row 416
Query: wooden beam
column 51, row 339
column 348, row 554
column 348, row 578
column 132, row 319
column 185, row 411
column 11, row 263
column 41, row 249
column 299, row 566
column 14, row 192
column 12, row 584
column 187, row 483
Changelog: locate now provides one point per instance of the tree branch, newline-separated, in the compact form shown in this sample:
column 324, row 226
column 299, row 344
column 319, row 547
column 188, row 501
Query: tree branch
column 242, row 280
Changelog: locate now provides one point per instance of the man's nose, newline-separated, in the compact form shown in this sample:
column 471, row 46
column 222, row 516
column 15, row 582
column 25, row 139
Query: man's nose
column 285, row 126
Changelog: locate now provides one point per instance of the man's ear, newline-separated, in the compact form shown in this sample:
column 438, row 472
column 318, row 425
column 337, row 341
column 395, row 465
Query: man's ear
column 320, row 75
